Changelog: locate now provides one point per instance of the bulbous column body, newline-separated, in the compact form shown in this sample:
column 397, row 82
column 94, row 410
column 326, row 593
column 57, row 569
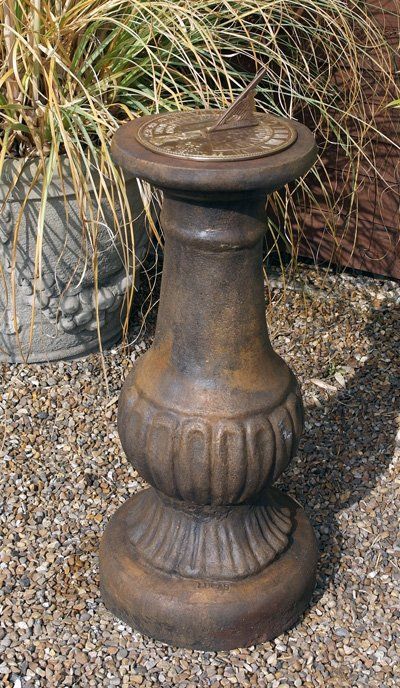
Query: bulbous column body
column 210, row 556
column 211, row 414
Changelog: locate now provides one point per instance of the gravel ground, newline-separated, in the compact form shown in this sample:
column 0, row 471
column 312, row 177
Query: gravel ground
column 63, row 475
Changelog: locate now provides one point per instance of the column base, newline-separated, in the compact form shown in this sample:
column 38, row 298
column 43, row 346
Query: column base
column 198, row 610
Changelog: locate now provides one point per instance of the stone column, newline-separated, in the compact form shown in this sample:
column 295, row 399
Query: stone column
column 210, row 556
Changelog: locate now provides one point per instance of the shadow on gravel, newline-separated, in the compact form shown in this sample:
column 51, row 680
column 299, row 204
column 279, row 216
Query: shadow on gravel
column 350, row 442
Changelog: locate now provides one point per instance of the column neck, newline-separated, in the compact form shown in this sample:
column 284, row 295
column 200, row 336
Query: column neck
column 213, row 280
column 215, row 223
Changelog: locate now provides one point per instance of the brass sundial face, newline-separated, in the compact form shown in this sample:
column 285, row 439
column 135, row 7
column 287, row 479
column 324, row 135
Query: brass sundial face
column 237, row 133
column 187, row 135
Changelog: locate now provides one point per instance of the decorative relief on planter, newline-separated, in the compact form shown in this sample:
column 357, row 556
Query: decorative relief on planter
column 10, row 325
column 63, row 301
column 78, row 309
column 5, row 225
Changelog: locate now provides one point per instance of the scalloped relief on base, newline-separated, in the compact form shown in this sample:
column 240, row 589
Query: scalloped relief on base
column 209, row 544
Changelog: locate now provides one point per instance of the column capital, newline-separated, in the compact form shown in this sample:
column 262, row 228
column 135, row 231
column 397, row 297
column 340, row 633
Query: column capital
column 264, row 174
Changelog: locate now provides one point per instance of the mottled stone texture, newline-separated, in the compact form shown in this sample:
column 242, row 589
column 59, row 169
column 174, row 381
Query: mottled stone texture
column 211, row 555
column 67, row 303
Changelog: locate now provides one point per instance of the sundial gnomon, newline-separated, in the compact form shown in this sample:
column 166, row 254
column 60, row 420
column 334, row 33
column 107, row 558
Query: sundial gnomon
column 237, row 133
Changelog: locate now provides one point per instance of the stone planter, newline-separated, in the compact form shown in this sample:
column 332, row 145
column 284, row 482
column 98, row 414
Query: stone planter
column 68, row 305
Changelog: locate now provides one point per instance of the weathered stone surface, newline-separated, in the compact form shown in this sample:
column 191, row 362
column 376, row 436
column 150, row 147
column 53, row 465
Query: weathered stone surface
column 211, row 556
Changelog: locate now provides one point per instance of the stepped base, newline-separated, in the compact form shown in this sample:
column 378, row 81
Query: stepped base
column 200, row 611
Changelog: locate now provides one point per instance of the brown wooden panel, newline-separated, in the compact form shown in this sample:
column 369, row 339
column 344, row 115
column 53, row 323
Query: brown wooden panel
column 369, row 247
column 366, row 226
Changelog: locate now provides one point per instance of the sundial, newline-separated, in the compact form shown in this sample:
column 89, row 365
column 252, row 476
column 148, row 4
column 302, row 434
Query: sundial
column 210, row 555
column 238, row 133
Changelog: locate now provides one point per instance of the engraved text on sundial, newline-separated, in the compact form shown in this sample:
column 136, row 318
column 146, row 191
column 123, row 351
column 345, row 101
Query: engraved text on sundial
column 192, row 135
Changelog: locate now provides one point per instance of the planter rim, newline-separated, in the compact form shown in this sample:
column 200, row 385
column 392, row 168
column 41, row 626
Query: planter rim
column 27, row 166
